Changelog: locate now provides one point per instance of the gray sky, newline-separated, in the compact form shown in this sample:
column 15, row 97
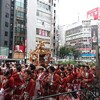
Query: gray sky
column 70, row 9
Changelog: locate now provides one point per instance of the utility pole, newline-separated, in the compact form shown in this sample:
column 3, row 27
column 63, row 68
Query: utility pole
column 98, row 55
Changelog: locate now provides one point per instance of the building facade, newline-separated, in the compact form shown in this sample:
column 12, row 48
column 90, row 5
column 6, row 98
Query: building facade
column 13, row 28
column 41, row 23
column 79, row 35
column 4, row 27
column 19, row 28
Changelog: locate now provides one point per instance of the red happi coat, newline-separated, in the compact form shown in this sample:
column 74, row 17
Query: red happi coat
column 8, row 88
column 19, row 82
column 53, row 89
column 30, row 87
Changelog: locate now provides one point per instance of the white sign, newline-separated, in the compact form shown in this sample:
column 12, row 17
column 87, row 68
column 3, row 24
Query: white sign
column 3, row 57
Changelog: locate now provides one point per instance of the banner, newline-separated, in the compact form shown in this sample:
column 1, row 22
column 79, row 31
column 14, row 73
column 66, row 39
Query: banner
column 94, row 36
column 19, row 48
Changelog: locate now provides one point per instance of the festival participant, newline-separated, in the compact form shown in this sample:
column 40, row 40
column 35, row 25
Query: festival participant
column 61, row 86
column 19, row 83
column 58, row 70
column 53, row 81
column 44, row 84
column 1, row 89
column 62, row 81
column 32, row 68
column 1, row 78
column 88, row 78
column 38, row 80
column 8, row 86
column 29, row 86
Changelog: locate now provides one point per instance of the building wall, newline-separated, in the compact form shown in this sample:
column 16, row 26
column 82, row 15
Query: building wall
column 79, row 35
column 18, row 29
column 55, row 28
column 31, row 24
column 4, row 22
column 9, row 22
column 40, row 23
column 43, row 22
column 4, row 27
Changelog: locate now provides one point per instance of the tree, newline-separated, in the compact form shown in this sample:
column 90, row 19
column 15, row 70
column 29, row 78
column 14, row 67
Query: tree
column 69, row 51
column 63, row 52
column 76, row 53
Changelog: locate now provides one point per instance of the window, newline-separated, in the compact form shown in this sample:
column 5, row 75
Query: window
column 54, row 5
column 49, row 1
column 54, row 30
column 54, row 11
column 54, row 24
column 54, row 18
column 42, row 23
column 49, row 8
column 37, row 13
column 6, row 33
column 7, row 15
column 6, row 24
column 37, row 31
column 5, row 43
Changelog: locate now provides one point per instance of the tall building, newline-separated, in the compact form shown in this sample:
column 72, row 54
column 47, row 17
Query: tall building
column 19, row 27
column 41, row 23
column 79, row 35
column 13, row 28
column 4, row 27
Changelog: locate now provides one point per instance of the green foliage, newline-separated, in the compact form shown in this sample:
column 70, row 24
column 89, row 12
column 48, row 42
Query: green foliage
column 69, row 51
column 63, row 52
column 67, row 62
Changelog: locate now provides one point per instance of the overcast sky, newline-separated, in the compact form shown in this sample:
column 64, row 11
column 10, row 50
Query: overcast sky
column 69, row 10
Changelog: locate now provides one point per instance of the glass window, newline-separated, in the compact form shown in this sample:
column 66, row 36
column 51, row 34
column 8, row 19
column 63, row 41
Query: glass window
column 20, row 4
column 6, row 33
column 5, row 43
column 6, row 24
column 54, row 5
column 49, row 1
column 7, row 15
column 20, row 14
column 37, row 31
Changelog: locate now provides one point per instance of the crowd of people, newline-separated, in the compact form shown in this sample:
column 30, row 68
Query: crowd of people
column 26, row 82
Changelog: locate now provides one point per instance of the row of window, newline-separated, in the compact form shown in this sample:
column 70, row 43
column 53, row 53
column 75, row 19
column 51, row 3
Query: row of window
column 20, row 3
column 44, row 6
column 44, row 24
column 19, row 40
column 19, row 30
column 44, row 15
column 43, row 32
column 20, row 14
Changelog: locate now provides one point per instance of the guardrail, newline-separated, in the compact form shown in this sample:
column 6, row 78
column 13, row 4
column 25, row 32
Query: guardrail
column 82, row 94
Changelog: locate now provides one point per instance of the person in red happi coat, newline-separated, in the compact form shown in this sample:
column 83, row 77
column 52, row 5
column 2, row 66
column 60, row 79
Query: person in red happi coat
column 8, row 86
column 19, row 83
column 29, row 86
column 53, row 81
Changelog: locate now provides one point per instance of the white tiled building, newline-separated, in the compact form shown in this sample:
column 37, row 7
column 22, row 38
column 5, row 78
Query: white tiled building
column 41, row 23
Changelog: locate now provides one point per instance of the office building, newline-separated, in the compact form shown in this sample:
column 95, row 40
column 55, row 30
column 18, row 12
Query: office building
column 13, row 28
column 41, row 23
column 79, row 35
